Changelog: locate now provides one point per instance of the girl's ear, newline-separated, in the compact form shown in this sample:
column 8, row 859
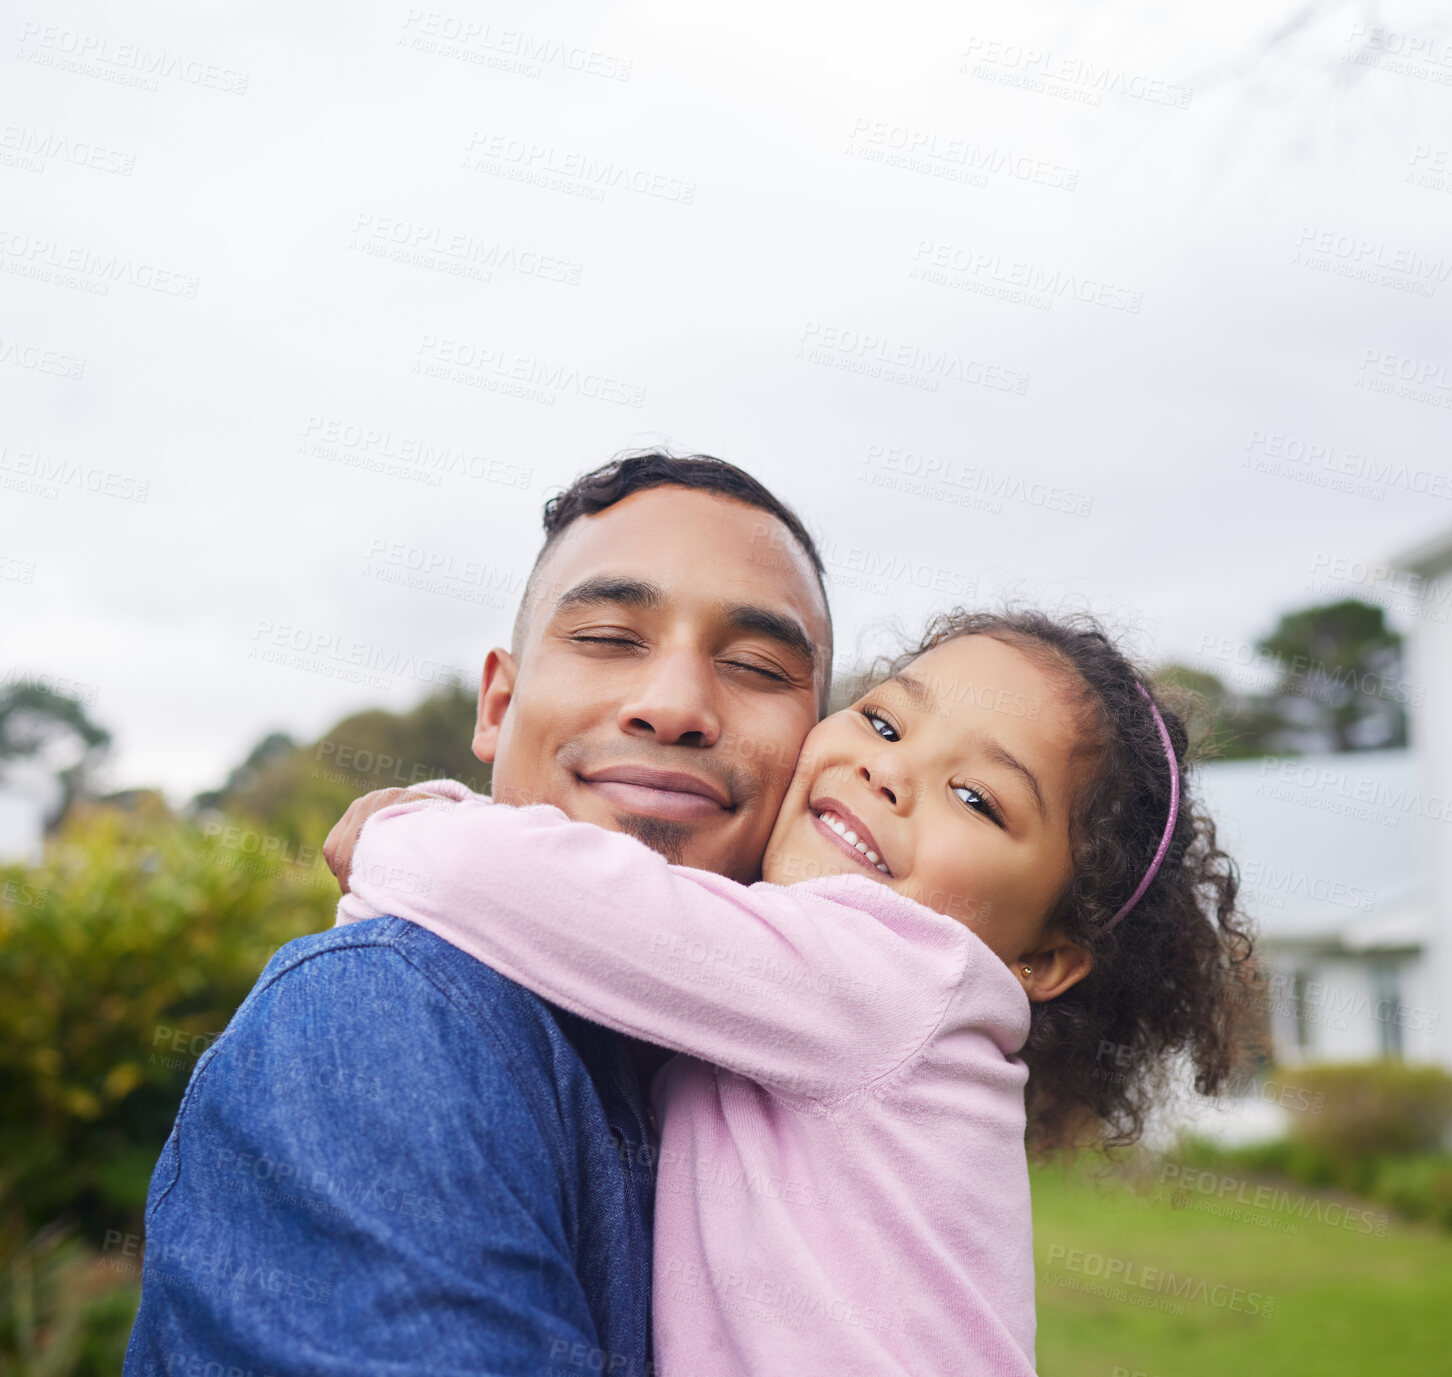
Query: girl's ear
column 1055, row 966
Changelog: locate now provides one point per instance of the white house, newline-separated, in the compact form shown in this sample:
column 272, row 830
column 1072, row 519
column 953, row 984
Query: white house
column 1346, row 864
column 1430, row 667
column 1332, row 852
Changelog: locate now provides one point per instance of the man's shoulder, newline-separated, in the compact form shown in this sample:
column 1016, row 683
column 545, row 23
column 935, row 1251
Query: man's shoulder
column 382, row 1118
column 363, row 967
column 350, row 945
column 383, row 1020
column 386, row 980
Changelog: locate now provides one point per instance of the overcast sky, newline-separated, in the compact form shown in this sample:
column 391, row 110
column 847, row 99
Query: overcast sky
column 307, row 309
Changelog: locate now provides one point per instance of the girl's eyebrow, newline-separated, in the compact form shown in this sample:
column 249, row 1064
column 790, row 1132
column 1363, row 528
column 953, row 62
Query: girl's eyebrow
column 1001, row 755
column 921, row 696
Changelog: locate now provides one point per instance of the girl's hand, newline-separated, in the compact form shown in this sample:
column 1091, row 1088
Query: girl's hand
column 338, row 849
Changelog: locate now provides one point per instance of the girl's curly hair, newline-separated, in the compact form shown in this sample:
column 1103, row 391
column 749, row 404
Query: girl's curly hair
column 1171, row 981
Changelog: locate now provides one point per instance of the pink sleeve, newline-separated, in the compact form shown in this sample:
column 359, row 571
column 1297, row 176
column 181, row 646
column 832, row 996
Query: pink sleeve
column 816, row 989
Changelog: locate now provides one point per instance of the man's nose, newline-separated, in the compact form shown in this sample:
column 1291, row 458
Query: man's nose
column 674, row 701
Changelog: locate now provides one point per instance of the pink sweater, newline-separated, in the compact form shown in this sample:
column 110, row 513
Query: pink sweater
column 842, row 1186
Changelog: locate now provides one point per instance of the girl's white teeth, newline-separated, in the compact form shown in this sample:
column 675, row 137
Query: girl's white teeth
column 847, row 835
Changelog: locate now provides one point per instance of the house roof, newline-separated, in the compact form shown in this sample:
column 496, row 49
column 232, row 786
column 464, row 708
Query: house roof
column 1333, row 850
column 1430, row 558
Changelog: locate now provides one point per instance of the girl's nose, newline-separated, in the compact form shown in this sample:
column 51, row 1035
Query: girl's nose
column 881, row 784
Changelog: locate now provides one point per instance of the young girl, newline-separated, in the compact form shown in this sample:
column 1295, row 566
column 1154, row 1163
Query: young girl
column 984, row 874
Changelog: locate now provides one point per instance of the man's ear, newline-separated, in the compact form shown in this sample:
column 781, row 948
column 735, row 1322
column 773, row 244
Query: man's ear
column 496, row 691
column 1055, row 966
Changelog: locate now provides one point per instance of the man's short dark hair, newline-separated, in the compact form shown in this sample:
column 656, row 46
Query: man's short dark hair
column 653, row 468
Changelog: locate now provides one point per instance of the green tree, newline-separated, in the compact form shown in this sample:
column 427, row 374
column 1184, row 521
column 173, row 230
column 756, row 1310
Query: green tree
column 1339, row 686
column 273, row 747
column 53, row 730
column 299, row 791
column 1341, row 683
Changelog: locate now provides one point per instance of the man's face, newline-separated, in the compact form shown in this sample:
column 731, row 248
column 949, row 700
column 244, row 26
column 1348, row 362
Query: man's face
column 670, row 669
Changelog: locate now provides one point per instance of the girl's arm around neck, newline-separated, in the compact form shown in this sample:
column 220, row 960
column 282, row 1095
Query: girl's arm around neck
column 810, row 989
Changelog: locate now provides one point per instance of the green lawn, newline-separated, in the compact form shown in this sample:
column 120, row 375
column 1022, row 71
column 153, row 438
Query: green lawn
column 1341, row 1300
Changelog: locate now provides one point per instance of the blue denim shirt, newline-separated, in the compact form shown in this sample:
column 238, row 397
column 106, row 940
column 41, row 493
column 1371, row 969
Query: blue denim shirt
column 397, row 1161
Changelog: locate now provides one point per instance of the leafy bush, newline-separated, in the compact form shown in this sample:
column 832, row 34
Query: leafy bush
column 1418, row 1187
column 1376, row 1131
column 1373, row 1109
column 63, row 1313
column 1278, row 1157
column 121, row 956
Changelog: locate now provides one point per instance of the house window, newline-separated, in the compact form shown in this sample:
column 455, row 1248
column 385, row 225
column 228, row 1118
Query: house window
column 1386, row 1006
column 1300, row 983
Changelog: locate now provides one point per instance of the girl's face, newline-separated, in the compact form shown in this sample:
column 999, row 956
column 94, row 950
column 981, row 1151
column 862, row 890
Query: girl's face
column 951, row 783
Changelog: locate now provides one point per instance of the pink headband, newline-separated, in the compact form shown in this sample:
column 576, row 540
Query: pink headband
column 1164, row 846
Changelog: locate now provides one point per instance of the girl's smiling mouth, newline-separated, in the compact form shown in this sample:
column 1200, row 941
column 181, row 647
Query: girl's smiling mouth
column 848, row 833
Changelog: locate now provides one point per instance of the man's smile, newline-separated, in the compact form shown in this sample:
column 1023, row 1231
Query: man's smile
column 673, row 794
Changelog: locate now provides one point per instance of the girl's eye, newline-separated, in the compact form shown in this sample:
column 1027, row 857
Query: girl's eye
column 880, row 724
column 980, row 803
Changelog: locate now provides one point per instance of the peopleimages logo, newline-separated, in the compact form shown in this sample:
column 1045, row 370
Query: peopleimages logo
column 510, row 50
column 36, row 358
column 1014, row 280
column 521, row 375
column 878, row 356
column 326, row 652
column 570, row 170
column 955, row 159
column 122, row 63
column 1265, row 880
column 1075, row 79
column 1159, row 1281
column 24, row 146
column 1189, row 1184
column 943, row 476
column 1324, row 782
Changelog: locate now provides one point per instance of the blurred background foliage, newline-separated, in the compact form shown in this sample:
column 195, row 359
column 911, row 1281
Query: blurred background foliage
column 126, row 950
column 123, row 954
column 1379, row 1131
column 298, row 791
column 1325, row 678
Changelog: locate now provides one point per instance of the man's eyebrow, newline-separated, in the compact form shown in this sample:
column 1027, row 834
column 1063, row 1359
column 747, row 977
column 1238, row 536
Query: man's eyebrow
column 611, row 589
column 787, row 631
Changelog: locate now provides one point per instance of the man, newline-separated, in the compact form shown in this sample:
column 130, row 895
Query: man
column 397, row 1161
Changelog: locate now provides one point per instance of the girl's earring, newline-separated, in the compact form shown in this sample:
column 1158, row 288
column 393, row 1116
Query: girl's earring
column 1027, row 971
